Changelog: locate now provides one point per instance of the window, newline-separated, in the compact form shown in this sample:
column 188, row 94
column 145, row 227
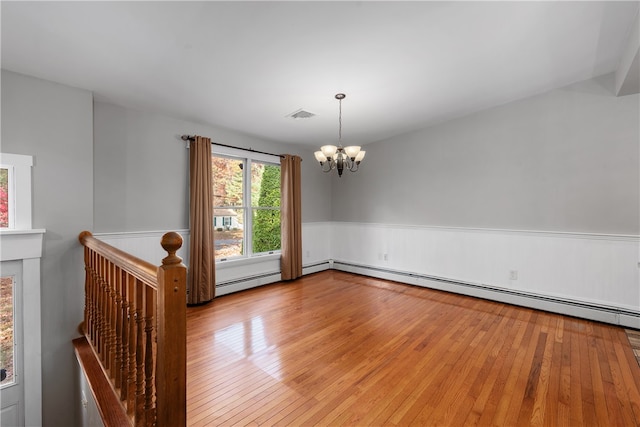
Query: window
column 246, row 203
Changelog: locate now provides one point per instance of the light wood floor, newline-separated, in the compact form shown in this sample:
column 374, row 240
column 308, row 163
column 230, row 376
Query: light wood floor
column 339, row 349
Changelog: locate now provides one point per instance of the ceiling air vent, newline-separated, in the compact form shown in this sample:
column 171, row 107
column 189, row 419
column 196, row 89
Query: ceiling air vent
column 300, row 114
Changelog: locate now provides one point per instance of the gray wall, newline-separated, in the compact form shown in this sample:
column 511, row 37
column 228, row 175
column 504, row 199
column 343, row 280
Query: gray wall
column 566, row 160
column 53, row 123
column 141, row 165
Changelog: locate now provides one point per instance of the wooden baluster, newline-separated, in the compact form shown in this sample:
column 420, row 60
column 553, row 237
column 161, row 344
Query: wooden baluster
column 131, row 373
column 96, row 302
column 113, row 313
column 149, row 321
column 171, row 364
column 94, row 299
column 119, row 317
column 91, row 279
column 124, row 359
column 139, row 412
column 107, row 317
column 101, row 305
column 87, row 280
column 104, row 335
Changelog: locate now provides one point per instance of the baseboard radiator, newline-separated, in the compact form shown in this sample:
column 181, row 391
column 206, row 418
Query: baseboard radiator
column 247, row 282
column 601, row 313
column 585, row 310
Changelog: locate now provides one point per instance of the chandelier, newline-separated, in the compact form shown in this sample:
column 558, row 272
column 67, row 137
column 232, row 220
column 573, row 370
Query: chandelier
column 331, row 157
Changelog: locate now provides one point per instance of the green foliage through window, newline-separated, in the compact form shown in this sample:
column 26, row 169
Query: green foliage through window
column 266, row 225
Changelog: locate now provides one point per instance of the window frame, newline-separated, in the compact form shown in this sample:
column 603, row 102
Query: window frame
column 19, row 190
column 247, row 158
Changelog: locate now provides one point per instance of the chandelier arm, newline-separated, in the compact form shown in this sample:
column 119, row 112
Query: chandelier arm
column 348, row 162
column 326, row 166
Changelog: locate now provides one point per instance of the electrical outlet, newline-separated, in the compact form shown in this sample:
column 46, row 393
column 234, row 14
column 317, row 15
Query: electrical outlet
column 308, row 254
column 513, row 275
column 386, row 257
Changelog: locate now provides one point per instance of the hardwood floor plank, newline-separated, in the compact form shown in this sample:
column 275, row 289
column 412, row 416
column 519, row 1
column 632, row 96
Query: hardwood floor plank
column 335, row 348
column 505, row 398
column 487, row 380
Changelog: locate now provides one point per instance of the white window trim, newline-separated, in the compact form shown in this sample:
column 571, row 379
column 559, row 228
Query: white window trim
column 19, row 167
column 247, row 157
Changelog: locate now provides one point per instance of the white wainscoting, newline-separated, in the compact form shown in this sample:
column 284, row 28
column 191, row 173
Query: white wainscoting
column 587, row 275
column 316, row 246
column 593, row 276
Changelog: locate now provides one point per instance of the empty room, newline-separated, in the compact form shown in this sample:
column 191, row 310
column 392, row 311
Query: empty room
column 320, row 213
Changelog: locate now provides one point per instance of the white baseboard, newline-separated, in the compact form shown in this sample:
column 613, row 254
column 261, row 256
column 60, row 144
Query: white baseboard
column 585, row 310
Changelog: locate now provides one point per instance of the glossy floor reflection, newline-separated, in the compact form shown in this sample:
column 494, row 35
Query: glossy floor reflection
column 339, row 349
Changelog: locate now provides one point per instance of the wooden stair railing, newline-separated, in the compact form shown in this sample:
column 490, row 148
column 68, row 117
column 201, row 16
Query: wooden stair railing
column 135, row 323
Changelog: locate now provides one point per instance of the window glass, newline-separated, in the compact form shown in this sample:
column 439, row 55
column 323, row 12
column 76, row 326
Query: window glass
column 265, row 204
column 4, row 198
column 228, row 206
column 6, row 329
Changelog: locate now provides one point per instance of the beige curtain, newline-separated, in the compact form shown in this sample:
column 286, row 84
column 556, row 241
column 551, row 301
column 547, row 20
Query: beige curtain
column 201, row 278
column 291, row 218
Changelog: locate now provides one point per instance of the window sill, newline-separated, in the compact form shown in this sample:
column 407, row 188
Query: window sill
column 247, row 261
column 21, row 244
column 14, row 231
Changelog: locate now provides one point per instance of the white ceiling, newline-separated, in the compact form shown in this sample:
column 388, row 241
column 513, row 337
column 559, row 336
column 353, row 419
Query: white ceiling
column 246, row 65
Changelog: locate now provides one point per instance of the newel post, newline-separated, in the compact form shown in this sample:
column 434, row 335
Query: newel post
column 171, row 368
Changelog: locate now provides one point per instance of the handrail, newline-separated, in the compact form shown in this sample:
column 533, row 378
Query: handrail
column 135, row 266
column 135, row 322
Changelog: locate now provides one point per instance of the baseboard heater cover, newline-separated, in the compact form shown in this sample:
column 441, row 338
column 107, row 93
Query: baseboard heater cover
column 601, row 313
column 316, row 267
column 271, row 277
column 247, row 279
column 324, row 263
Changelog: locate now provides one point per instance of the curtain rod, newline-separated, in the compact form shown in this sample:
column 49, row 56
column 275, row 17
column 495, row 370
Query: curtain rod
column 191, row 138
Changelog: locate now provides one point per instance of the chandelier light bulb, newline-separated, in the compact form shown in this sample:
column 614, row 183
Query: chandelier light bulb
column 320, row 157
column 352, row 151
column 329, row 150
